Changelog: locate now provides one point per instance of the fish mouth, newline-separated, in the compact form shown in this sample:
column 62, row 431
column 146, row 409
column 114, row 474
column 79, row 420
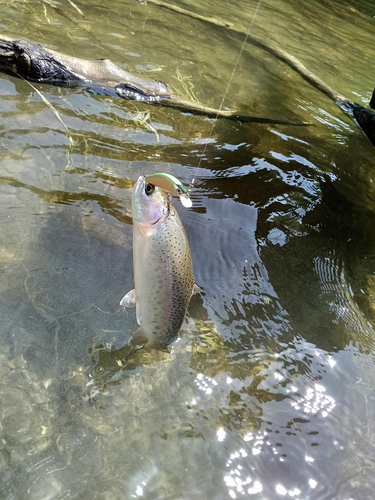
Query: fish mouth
column 154, row 223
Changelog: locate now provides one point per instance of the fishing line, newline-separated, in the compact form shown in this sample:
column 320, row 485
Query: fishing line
column 191, row 185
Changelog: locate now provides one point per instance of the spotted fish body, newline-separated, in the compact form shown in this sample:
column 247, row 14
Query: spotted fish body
column 163, row 270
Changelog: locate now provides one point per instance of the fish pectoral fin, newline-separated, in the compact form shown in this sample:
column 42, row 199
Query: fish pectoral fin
column 138, row 312
column 130, row 299
column 196, row 289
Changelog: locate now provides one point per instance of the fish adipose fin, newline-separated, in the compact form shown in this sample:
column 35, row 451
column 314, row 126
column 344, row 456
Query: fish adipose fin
column 196, row 289
column 130, row 299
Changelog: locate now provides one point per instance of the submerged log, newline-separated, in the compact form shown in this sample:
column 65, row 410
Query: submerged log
column 33, row 62
column 365, row 119
column 372, row 101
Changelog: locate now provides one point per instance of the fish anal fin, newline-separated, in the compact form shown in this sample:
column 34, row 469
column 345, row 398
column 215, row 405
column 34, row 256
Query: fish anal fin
column 129, row 300
column 139, row 337
column 196, row 289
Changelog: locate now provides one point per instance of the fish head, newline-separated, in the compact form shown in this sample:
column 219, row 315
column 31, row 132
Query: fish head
column 149, row 203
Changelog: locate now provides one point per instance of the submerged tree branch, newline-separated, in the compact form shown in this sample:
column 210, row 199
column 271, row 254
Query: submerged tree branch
column 365, row 118
column 269, row 46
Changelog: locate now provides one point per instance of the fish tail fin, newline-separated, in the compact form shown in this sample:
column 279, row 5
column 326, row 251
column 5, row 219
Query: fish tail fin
column 160, row 346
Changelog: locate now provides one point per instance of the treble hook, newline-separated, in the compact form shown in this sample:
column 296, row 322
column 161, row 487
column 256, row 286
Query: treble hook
column 169, row 200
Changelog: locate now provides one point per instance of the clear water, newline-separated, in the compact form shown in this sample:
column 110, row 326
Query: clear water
column 269, row 391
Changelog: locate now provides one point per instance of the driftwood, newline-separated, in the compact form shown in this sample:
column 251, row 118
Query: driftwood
column 33, row 62
column 365, row 118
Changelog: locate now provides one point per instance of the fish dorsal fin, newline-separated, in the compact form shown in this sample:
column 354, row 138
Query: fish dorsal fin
column 196, row 289
column 129, row 300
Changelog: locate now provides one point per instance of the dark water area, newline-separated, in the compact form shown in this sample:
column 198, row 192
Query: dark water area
column 268, row 392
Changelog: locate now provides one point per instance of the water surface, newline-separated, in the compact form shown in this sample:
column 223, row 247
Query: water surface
column 268, row 393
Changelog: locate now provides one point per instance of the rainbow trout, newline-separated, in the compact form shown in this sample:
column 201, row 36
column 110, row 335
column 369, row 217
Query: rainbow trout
column 163, row 269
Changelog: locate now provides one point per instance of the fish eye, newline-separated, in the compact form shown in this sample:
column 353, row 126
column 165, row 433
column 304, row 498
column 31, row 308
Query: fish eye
column 178, row 190
column 150, row 188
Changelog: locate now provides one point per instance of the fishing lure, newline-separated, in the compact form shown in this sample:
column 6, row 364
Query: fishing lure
column 171, row 185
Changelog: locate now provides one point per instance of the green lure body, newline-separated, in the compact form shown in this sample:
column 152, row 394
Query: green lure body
column 171, row 185
column 168, row 183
